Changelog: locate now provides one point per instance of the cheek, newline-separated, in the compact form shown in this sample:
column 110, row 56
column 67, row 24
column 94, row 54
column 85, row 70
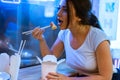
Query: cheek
column 65, row 22
column 65, row 19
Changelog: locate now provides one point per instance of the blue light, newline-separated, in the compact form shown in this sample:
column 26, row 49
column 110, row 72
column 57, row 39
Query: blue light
column 11, row 1
column 41, row 0
column 47, row 0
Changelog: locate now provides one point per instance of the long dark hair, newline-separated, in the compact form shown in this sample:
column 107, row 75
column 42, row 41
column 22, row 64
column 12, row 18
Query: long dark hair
column 83, row 11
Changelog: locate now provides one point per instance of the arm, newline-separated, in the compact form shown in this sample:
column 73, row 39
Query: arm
column 44, row 47
column 38, row 34
column 104, row 62
column 56, row 49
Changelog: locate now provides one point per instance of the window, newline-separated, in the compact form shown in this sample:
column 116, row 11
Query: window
column 109, row 16
column 16, row 18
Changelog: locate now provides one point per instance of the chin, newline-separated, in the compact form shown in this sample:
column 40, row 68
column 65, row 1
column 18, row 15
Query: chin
column 63, row 28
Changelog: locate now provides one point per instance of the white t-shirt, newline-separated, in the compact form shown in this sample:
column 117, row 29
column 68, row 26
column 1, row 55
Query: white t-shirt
column 83, row 58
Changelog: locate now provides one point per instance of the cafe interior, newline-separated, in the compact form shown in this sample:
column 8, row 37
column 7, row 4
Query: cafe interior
column 18, row 16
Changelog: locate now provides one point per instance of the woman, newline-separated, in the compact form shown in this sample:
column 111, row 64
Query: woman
column 86, row 45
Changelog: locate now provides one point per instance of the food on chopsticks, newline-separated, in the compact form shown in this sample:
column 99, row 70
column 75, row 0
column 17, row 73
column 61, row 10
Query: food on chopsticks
column 52, row 25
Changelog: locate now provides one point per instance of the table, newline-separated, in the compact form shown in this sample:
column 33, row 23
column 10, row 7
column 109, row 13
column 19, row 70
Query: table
column 30, row 73
column 34, row 72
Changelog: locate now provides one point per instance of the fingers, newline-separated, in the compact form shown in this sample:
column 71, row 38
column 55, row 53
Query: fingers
column 54, row 76
column 37, row 30
column 38, row 33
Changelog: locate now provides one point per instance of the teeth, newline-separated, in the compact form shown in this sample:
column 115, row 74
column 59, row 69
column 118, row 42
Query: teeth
column 59, row 21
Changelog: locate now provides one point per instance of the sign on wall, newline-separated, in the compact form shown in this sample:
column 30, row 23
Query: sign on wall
column 109, row 19
column 11, row 1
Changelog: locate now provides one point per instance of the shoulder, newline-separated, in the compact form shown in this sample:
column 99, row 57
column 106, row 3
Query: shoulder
column 95, row 32
column 97, row 36
column 63, row 33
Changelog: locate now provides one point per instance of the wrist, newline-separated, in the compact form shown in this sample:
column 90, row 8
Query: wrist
column 42, row 38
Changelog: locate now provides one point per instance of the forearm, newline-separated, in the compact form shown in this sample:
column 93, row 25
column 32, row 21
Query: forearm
column 38, row 34
column 93, row 77
column 44, row 47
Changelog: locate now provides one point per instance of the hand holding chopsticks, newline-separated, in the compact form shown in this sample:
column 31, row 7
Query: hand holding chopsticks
column 30, row 31
column 53, row 26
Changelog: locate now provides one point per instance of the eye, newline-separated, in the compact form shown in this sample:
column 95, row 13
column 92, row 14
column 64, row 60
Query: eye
column 64, row 9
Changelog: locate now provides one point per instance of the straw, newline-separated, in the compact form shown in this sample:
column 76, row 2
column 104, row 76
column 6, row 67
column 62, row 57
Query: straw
column 30, row 31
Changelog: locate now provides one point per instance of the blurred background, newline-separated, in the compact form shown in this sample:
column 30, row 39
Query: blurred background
column 17, row 16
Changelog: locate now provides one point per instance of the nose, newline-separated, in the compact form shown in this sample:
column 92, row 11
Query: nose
column 59, row 12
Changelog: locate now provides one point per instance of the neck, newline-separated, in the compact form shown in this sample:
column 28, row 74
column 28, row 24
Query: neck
column 79, row 31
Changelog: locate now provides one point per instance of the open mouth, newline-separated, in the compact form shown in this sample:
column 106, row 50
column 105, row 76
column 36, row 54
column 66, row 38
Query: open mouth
column 60, row 22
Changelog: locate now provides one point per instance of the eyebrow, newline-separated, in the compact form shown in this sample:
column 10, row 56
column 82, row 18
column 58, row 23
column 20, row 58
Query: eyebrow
column 62, row 6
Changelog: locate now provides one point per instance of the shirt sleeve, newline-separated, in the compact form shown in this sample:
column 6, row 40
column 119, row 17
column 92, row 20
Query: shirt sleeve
column 99, row 37
column 61, row 35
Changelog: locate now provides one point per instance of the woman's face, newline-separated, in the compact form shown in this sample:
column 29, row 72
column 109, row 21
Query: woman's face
column 62, row 15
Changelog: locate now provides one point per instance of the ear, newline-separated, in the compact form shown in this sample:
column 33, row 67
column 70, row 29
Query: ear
column 78, row 19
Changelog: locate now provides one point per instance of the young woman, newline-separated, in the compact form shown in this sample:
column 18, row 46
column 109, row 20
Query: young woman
column 86, row 45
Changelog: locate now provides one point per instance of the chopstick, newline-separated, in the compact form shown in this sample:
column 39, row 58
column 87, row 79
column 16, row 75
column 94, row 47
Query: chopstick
column 40, row 61
column 22, row 44
column 30, row 31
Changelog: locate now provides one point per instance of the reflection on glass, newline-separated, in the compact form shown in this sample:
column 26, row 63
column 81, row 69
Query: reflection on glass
column 17, row 18
column 109, row 19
